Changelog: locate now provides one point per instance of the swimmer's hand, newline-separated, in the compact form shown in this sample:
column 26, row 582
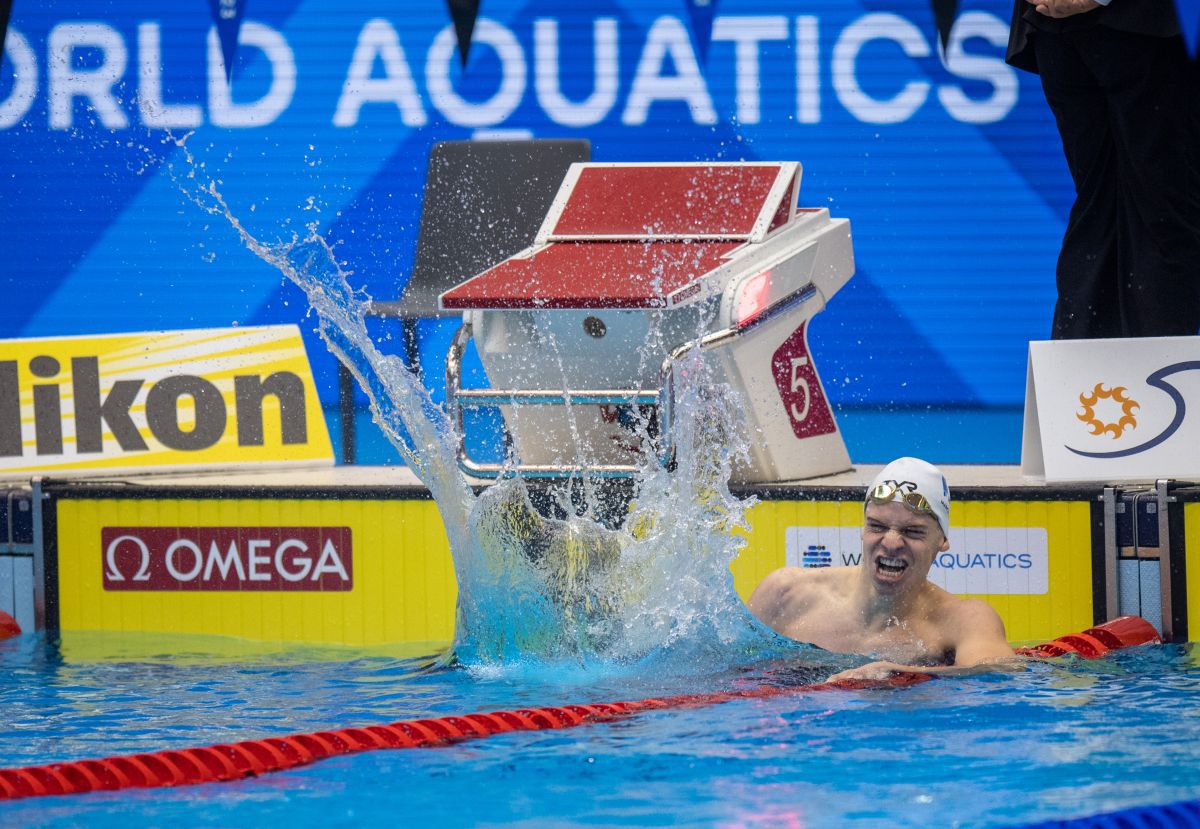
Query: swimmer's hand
column 872, row 672
column 882, row 671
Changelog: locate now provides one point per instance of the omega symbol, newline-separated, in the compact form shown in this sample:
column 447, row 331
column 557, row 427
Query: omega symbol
column 110, row 558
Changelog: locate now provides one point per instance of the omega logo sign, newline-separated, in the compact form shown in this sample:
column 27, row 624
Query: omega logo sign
column 227, row 558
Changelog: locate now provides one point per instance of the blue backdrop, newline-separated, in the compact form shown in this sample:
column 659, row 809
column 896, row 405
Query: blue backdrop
column 949, row 169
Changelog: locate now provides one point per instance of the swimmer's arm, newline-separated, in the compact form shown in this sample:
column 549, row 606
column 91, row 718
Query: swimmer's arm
column 983, row 645
column 875, row 671
column 982, row 648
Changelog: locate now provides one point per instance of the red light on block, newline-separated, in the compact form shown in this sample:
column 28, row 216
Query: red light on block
column 753, row 299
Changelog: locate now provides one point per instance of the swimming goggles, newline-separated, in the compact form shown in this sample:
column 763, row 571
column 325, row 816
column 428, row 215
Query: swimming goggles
column 893, row 491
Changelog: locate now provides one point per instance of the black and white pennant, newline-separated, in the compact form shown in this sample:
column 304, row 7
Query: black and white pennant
column 463, row 13
column 944, row 12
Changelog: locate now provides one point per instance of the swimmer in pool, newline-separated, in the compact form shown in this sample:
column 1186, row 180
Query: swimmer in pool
column 886, row 607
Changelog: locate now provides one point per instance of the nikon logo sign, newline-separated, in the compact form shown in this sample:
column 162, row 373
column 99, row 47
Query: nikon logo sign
column 203, row 398
column 162, row 406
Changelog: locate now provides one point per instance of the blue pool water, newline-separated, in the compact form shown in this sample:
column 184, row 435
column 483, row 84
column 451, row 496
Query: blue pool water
column 1063, row 739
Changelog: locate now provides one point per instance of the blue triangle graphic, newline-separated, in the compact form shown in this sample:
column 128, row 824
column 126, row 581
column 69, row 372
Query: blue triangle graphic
column 1189, row 21
column 227, row 15
column 701, row 13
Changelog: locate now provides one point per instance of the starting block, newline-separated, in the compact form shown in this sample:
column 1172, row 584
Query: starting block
column 634, row 265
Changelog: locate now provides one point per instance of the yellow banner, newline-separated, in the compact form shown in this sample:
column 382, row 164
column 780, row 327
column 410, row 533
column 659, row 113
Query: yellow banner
column 388, row 577
column 157, row 401
column 1037, row 555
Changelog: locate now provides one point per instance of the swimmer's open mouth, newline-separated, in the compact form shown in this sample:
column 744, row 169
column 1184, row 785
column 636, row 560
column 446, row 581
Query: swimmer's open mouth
column 891, row 566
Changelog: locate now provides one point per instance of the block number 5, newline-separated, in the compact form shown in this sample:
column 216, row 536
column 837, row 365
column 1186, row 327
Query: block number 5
column 800, row 384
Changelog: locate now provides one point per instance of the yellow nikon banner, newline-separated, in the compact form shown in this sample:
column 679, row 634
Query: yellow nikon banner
column 160, row 400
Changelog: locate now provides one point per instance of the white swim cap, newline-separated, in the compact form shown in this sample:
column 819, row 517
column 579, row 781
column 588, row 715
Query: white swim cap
column 906, row 476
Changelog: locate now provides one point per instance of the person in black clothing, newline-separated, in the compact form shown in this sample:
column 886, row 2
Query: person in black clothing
column 1126, row 97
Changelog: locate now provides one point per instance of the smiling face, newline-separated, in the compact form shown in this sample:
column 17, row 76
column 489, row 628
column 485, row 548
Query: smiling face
column 899, row 545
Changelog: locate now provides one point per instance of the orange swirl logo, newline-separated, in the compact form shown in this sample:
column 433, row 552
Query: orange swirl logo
column 1118, row 396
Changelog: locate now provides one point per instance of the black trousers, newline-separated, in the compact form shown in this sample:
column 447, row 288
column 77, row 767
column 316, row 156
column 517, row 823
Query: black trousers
column 1128, row 111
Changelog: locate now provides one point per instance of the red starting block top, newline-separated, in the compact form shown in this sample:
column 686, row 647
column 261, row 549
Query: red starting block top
column 636, row 235
column 592, row 275
column 675, row 201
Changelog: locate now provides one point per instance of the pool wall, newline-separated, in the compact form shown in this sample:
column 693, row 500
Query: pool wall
column 1190, row 519
column 358, row 555
column 387, row 576
column 1039, row 545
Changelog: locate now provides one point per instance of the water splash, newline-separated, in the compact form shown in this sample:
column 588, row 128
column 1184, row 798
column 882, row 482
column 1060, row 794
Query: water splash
column 535, row 590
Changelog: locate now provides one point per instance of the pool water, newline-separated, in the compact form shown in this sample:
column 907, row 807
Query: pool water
column 1063, row 739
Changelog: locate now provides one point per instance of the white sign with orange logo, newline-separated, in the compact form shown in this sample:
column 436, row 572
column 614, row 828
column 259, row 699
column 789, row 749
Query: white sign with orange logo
column 162, row 400
column 1113, row 410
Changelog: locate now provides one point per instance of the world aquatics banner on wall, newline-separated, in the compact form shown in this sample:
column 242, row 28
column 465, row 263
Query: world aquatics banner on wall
column 948, row 167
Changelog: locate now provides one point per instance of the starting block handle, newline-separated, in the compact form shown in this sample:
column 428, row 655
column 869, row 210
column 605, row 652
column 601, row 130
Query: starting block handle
column 473, row 398
column 458, row 399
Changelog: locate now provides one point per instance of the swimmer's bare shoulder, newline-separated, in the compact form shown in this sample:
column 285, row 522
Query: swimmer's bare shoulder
column 791, row 592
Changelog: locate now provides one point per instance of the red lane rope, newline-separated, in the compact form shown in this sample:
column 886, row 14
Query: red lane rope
column 250, row 758
column 8, row 626
column 1124, row 632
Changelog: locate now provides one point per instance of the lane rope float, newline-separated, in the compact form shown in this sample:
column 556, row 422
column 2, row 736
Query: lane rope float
column 251, row 758
column 8, row 626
